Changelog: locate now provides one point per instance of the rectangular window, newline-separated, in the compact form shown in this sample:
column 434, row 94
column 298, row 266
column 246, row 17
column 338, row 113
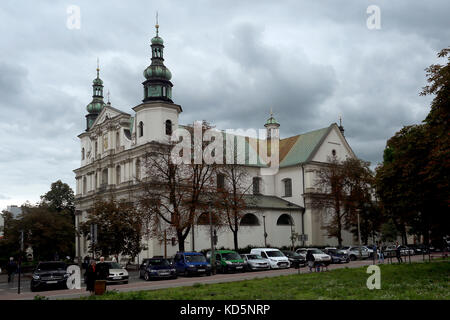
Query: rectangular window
column 288, row 188
column 220, row 181
column 256, row 182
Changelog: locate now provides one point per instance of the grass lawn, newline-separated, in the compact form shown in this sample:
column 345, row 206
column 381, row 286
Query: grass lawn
column 405, row 281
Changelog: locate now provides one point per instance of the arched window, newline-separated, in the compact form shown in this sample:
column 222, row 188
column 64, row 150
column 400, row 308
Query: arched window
column 169, row 127
column 117, row 139
column 203, row 219
column 105, row 177
column 118, row 175
column 220, row 181
column 256, row 185
column 96, row 148
column 249, row 220
column 82, row 154
column 138, row 169
column 141, row 129
column 333, row 153
column 285, row 220
column 287, row 187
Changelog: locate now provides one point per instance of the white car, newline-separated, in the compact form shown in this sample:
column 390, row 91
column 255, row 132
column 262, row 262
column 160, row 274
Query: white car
column 276, row 258
column 255, row 262
column 354, row 252
column 318, row 255
column 116, row 273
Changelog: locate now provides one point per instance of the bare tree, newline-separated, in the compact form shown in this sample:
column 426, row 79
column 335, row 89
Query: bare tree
column 174, row 194
column 231, row 196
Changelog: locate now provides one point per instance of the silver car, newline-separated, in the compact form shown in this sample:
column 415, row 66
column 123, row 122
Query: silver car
column 255, row 262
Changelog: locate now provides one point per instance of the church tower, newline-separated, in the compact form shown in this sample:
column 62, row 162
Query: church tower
column 157, row 115
column 272, row 126
column 157, row 85
column 95, row 107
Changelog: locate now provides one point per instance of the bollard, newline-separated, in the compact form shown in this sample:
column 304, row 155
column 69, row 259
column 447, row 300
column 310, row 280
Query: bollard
column 100, row 287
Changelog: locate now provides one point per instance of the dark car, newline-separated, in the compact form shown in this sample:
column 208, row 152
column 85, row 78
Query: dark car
column 337, row 256
column 157, row 268
column 420, row 248
column 296, row 260
column 49, row 274
column 191, row 263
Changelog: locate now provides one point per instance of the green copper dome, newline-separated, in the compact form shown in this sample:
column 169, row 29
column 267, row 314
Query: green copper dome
column 271, row 120
column 95, row 107
column 97, row 81
column 157, row 40
column 157, row 71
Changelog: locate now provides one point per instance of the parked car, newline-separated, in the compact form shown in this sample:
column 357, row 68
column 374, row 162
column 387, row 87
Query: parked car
column 227, row 261
column 355, row 253
column 405, row 251
column 319, row 255
column 369, row 248
column 276, row 258
column 49, row 274
column 255, row 262
column 296, row 260
column 157, row 268
column 189, row 263
column 420, row 249
column 117, row 273
column 337, row 256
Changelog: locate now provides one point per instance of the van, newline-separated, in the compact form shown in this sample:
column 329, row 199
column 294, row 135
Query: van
column 189, row 263
column 227, row 261
column 276, row 258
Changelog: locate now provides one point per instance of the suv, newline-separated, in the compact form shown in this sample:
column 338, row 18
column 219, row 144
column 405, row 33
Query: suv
column 227, row 260
column 50, row 273
column 188, row 263
column 276, row 258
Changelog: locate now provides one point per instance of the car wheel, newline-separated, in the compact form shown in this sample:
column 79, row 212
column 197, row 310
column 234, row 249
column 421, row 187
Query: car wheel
column 352, row 257
column 146, row 276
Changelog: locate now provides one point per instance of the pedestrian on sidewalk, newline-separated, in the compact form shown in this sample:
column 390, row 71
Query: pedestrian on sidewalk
column 380, row 253
column 11, row 268
column 398, row 253
column 91, row 276
column 310, row 259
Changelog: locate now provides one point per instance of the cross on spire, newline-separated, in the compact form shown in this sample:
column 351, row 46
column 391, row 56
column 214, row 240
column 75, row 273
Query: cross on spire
column 157, row 25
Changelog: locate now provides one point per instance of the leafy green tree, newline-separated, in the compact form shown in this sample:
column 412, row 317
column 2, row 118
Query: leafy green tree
column 119, row 227
column 61, row 198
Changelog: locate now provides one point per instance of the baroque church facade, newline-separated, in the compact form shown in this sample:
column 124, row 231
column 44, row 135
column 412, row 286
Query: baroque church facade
column 114, row 143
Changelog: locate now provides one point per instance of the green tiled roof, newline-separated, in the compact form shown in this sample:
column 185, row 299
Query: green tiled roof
column 303, row 148
column 270, row 202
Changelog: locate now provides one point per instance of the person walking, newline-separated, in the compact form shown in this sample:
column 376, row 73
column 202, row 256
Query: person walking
column 11, row 268
column 310, row 259
column 91, row 276
column 380, row 253
column 398, row 253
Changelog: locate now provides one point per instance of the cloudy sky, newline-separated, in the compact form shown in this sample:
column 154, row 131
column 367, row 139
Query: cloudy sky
column 231, row 61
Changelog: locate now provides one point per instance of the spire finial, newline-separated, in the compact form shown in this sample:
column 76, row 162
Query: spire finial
column 271, row 113
column 98, row 67
column 109, row 102
column 157, row 25
column 340, row 121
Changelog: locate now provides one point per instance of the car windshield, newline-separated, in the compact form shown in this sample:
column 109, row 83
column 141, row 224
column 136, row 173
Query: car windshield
column 52, row 266
column 275, row 254
column 158, row 262
column 195, row 258
column 254, row 256
column 113, row 265
column 231, row 256
column 316, row 251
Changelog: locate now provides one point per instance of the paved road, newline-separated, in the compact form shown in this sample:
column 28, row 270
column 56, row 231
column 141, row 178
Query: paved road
column 9, row 292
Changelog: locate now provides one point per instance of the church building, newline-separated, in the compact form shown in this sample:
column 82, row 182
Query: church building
column 114, row 142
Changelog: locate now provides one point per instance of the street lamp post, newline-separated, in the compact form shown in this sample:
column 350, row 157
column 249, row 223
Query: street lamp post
column 359, row 237
column 265, row 233
column 213, row 254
